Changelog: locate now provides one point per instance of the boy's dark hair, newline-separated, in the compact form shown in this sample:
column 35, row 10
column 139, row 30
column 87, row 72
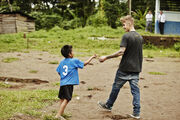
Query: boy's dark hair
column 66, row 50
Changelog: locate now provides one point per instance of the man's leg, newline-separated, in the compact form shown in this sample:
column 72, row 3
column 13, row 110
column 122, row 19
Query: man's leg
column 150, row 26
column 146, row 26
column 162, row 28
column 117, row 85
column 136, row 96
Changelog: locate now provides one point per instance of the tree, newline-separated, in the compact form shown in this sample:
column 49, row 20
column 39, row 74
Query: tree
column 111, row 8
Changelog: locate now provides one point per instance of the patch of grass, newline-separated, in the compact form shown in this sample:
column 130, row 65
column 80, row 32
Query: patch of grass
column 25, row 101
column 74, row 95
column 157, row 73
column 4, row 85
column 33, row 71
column 9, row 59
column 49, row 117
column 53, row 62
column 26, row 51
column 33, row 113
column 150, row 56
column 56, row 84
column 89, row 89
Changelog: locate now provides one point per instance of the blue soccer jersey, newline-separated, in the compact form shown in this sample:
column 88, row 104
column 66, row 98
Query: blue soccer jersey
column 68, row 71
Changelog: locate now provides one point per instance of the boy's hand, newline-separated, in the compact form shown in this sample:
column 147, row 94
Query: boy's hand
column 102, row 58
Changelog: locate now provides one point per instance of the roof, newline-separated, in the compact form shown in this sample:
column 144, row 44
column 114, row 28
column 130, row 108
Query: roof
column 23, row 14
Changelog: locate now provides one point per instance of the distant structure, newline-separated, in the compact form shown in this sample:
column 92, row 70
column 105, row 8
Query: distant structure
column 15, row 22
column 171, row 9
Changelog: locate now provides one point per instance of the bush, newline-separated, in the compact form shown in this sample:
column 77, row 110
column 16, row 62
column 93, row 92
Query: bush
column 177, row 46
column 46, row 21
column 149, row 46
column 71, row 24
column 97, row 20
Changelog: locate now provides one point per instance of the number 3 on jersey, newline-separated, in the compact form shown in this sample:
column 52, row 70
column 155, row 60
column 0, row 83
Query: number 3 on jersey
column 65, row 67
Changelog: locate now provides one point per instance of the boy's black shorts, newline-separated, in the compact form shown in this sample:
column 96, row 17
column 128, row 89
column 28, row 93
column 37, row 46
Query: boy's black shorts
column 65, row 92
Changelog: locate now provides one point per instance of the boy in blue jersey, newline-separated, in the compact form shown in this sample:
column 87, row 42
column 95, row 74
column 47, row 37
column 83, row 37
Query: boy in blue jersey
column 68, row 71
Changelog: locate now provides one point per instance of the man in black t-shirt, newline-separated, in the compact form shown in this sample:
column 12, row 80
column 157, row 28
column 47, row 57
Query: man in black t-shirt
column 129, row 68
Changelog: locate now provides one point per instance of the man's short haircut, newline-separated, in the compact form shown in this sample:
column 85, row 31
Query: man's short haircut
column 66, row 50
column 127, row 19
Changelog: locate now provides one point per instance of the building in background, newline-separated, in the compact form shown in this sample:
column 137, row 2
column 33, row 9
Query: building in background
column 15, row 22
column 171, row 9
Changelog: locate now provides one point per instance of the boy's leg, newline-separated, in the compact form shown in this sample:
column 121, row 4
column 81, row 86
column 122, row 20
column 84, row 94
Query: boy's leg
column 63, row 104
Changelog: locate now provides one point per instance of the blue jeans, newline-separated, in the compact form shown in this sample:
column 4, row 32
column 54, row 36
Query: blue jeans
column 120, row 79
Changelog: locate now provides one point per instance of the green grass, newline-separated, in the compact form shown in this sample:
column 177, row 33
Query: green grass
column 4, row 85
column 33, row 71
column 53, row 62
column 51, row 41
column 26, row 102
column 157, row 73
column 9, row 59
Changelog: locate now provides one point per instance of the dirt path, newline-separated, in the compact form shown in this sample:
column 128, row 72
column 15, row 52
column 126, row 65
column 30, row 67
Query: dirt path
column 160, row 94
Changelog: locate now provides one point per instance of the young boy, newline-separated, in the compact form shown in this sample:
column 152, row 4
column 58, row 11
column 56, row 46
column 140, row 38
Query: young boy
column 68, row 71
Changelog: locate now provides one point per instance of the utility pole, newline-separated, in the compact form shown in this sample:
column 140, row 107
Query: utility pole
column 129, row 5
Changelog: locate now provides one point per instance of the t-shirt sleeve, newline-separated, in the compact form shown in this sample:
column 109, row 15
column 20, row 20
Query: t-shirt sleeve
column 78, row 63
column 58, row 70
column 124, row 41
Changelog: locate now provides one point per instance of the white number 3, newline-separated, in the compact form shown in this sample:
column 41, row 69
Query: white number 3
column 65, row 67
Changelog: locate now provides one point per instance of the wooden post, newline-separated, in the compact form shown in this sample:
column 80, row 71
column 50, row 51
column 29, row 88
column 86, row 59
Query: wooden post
column 129, row 5
column 27, row 42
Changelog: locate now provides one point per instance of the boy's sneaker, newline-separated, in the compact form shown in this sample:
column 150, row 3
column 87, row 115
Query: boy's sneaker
column 104, row 106
column 134, row 116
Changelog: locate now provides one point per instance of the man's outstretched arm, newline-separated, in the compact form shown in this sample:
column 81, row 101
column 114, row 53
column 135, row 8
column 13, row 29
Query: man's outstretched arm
column 114, row 55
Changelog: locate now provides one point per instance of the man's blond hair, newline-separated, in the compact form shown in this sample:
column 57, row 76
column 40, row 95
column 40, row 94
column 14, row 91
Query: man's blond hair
column 127, row 19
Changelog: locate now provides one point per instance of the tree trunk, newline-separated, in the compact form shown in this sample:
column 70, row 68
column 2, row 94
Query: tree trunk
column 10, row 6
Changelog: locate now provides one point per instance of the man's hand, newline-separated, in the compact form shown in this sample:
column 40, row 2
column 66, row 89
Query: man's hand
column 94, row 56
column 102, row 58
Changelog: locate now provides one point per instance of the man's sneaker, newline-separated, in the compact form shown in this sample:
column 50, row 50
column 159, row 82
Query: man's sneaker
column 104, row 106
column 134, row 116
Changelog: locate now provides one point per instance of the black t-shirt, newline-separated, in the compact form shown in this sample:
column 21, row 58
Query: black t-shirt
column 132, row 58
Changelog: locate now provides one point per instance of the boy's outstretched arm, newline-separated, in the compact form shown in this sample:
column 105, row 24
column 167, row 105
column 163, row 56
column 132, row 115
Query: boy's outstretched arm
column 89, row 60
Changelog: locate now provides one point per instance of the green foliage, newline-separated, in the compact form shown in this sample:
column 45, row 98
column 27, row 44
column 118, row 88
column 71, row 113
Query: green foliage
column 149, row 46
column 97, row 20
column 46, row 21
column 24, row 101
column 111, row 8
column 9, row 59
column 143, row 5
column 71, row 24
column 140, row 21
column 177, row 46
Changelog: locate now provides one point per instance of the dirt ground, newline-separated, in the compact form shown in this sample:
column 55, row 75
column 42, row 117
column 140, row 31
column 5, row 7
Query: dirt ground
column 160, row 94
